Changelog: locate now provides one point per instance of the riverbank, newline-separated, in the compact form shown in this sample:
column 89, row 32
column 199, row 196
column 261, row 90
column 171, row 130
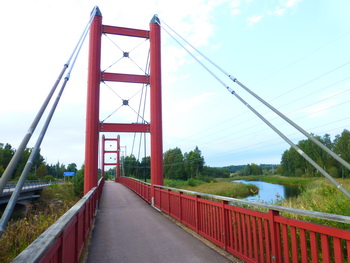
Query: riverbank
column 223, row 188
column 54, row 201
column 318, row 195
column 321, row 196
column 274, row 179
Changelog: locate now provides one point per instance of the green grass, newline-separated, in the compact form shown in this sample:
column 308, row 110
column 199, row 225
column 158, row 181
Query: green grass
column 322, row 196
column 181, row 183
column 228, row 189
column 53, row 202
column 276, row 179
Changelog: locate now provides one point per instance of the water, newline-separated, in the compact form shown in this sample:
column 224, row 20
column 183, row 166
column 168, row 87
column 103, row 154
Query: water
column 271, row 193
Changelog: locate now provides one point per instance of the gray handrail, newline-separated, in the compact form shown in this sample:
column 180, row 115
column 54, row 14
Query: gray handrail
column 36, row 250
column 320, row 215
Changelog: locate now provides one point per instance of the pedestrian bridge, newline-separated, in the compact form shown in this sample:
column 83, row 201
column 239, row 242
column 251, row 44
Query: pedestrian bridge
column 129, row 229
column 125, row 228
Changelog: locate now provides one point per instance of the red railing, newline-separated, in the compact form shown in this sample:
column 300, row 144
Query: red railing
column 65, row 239
column 251, row 235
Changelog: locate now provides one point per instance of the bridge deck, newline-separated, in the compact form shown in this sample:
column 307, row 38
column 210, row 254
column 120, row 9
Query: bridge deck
column 128, row 230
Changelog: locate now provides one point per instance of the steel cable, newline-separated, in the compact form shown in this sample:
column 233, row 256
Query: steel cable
column 14, row 197
column 309, row 136
column 303, row 154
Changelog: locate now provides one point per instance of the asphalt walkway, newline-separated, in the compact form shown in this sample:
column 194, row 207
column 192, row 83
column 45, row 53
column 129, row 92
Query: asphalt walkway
column 127, row 229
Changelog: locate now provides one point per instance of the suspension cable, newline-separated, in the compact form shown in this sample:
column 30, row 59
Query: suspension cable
column 19, row 152
column 295, row 147
column 14, row 197
column 301, row 130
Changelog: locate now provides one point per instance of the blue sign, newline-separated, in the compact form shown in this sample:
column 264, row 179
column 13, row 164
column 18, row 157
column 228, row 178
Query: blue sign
column 68, row 173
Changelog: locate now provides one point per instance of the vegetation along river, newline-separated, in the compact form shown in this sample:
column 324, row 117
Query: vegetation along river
column 271, row 193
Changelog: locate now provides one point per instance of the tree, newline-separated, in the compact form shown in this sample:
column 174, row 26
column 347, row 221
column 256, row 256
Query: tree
column 173, row 164
column 41, row 171
column 342, row 148
column 145, row 167
column 255, row 169
column 193, row 163
column 293, row 164
column 72, row 167
column 6, row 153
column 131, row 166
column 78, row 182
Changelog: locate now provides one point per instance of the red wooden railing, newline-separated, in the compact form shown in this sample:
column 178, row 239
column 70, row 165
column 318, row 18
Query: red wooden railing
column 251, row 235
column 65, row 239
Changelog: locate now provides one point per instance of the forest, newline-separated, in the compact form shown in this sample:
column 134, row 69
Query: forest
column 177, row 166
column 39, row 170
column 293, row 164
column 184, row 166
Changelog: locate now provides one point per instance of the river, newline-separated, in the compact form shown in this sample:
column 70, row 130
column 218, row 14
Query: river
column 270, row 193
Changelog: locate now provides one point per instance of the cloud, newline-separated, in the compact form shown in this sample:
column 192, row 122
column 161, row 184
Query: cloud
column 291, row 3
column 254, row 19
column 278, row 11
column 235, row 3
column 235, row 11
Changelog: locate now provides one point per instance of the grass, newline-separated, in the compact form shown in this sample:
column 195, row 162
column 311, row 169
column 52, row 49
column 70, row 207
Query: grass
column 181, row 184
column 276, row 179
column 228, row 189
column 53, row 202
column 322, row 196
column 318, row 195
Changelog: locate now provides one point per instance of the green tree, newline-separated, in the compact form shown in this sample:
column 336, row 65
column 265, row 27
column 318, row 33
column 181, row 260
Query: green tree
column 255, row 169
column 193, row 163
column 145, row 167
column 342, row 148
column 78, row 182
column 41, row 171
column 6, row 153
column 72, row 167
column 131, row 166
column 174, row 164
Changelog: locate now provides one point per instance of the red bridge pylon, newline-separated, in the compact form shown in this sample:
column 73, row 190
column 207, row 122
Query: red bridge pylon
column 95, row 76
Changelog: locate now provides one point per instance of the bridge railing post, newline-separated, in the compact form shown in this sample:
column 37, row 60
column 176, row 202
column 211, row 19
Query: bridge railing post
column 197, row 211
column 180, row 206
column 224, row 223
column 275, row 237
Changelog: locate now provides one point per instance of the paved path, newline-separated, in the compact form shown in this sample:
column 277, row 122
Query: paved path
column 127, row 229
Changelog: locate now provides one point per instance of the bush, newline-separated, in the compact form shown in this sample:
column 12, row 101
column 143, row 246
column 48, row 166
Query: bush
column 49, row 178
column 32, row 177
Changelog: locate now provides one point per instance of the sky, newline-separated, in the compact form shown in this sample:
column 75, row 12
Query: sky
column 292, row 53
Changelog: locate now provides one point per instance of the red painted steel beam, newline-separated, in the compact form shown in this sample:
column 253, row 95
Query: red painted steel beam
column 117, row 170
column 114, row 30
column 92, row 109
column 103, row 156
column 124, row 127
column 118, row 77
column 156, row 104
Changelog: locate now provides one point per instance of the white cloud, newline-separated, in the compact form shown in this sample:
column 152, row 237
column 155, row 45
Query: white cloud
column 291, row 3
column 235, row 3
column 278, row 11
column 254, row 19
column 235, row 11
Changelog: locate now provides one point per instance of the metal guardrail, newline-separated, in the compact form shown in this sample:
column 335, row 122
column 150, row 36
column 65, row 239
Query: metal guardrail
column 251, row 235
column 30, row 184
column 314, row 214
column 235, row 201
